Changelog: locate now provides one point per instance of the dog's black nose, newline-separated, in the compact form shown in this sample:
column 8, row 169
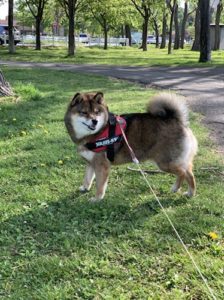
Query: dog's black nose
column 94, row 122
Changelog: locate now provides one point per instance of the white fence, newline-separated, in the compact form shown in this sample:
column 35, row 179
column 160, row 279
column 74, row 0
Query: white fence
column 63, row 41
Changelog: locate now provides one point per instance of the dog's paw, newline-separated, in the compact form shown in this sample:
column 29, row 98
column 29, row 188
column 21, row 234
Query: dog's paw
column 189, row 194
column 94, row 199
column 175, row 188
column 83, row 189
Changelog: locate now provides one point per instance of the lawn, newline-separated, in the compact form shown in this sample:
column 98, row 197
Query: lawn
column 55, row 245
column 113, row 56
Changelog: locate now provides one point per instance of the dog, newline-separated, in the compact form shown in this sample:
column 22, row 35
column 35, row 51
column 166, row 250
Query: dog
column 161, row 134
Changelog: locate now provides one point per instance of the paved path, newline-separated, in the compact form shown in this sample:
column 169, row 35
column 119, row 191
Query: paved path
column 203, row 87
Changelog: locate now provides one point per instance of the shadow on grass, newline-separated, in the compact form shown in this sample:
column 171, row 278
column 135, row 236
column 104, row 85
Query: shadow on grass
column 82, row 223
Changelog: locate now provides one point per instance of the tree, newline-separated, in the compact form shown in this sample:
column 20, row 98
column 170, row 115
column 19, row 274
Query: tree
column 217, row 26
column 155, row 26
column 164, row 27
column 156, row 18
column 197, row 26
column 177, row 32
column 144, row 9
column 129, row 18
column 53, row 16
column 172, row 7
column 205, row 45
column 107, row 14
column 127, row 29
column 5, row 88
column 36, row 8
column 71, row 7
column 10, row 27
column 184, row 22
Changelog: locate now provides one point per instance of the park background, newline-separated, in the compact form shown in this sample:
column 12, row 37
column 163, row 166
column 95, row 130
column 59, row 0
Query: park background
column 54, row 243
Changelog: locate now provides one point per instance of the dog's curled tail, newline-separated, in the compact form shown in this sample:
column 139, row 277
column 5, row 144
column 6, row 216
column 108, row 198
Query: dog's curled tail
column 169, row 106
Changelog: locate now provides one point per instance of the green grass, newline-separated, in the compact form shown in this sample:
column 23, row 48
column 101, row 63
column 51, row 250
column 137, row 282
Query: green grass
column 113, row 56
column 54, row 244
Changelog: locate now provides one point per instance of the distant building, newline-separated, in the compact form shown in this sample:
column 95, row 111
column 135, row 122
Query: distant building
column 25, row 30
column 212, row 32
column 4, row 21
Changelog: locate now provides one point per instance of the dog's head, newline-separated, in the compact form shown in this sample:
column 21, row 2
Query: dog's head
column 87, row 114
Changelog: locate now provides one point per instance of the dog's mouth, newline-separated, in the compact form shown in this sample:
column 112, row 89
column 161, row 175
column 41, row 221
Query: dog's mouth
column 92, row 127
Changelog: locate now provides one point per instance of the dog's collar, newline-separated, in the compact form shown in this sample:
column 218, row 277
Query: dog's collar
column 111, row 135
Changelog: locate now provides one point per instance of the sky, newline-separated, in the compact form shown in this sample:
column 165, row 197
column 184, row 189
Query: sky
column 3, row 10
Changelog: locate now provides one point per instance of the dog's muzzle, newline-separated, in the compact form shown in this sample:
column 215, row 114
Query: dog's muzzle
column 92, row 126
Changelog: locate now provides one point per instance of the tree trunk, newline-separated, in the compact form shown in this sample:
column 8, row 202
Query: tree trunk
column 156, row 28
column 205, row 44
column 183, row 25
column 105, row 31
column 217, row 25
column 177, row 32
column 164, row 26
column 5, row 88
column 197, row 25
column 172, row 9
column 38, row 43
column 71, row 29
column 128, row 34
column 145, row 33
column 10, row 27
column 122, row 31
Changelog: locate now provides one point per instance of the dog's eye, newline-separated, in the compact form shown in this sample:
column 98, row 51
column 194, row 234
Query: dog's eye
column 97, row 112
column 84, row 113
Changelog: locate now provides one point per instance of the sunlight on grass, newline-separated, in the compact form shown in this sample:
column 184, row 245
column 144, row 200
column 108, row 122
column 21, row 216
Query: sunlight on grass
column 131, row 56
column 54, row 244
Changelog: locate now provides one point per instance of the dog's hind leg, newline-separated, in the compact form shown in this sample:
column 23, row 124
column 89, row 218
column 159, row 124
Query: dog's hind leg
column 191, row 182
column 176, row 170
column 88, row 179
column 180, row 176
column 183, row 174
column 179, row 180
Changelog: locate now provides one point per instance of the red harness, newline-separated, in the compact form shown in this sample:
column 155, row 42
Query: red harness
column 111, row 135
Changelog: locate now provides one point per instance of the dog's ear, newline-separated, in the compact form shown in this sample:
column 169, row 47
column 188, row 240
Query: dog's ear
column 99, row 98
column 76, row 99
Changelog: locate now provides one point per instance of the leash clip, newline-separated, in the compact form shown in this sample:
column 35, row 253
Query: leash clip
column 135, row 160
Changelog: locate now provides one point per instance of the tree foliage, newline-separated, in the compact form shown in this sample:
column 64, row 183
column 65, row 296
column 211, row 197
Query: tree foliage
column 36, row 9
column 107, row 13
column 144, row 8
column 119, row 18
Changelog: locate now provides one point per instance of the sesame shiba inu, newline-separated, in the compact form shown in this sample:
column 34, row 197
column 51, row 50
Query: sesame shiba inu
column 160, row 134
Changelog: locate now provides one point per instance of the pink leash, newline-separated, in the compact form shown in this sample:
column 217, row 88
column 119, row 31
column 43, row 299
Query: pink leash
column 136, row 161
column 133, row 157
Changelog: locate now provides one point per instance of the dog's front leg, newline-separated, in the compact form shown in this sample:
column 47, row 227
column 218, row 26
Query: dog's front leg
column 88, row 179
column 102, row 169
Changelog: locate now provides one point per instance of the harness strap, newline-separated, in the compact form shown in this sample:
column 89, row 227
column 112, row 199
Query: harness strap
column 111, row 136
column 110, row 147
